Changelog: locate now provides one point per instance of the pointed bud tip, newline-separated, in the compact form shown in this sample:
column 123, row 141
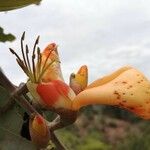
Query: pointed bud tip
column 83, row 70
column 39, row 119
column 53, row 44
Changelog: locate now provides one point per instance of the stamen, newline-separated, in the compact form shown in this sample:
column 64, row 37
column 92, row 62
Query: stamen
column 34, row 73
column 13, row 52
column 22, row 49
column 48, row 58
column 21, row 64
column 19, row 61
column 44, row 70
column 39, row 60
column 35, row 44
column 33, row 57
column 27, row 56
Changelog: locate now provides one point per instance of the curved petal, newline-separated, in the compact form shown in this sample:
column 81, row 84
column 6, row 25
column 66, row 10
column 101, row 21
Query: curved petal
column 54, row 70
column 126, row 88
column 108, row 78
column 55, row 94
column 79, row 81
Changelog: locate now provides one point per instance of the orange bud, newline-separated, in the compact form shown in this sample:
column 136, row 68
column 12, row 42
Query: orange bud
column 79, row 81
column 39, row 131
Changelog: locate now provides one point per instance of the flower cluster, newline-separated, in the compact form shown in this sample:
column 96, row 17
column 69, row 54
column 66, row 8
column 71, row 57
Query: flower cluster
column 126, row 88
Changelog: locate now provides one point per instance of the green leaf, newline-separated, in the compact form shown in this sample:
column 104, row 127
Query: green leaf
column 6, row 5
column 6, row 37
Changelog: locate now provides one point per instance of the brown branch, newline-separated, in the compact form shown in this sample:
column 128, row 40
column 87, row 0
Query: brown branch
column 7, row 106
column 16, row 93
column 61, row 121
column 64, row 119
column 5, row 82
column 56, row 141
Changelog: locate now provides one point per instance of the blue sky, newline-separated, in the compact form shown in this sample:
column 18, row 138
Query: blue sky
column 105, row 35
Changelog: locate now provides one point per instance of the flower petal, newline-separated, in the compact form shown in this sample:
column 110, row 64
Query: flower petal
column 126, row 88
column 79, row 81
column 54, row 70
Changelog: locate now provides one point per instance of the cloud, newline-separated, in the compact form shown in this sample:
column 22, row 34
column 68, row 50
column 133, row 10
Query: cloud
column 105, row 35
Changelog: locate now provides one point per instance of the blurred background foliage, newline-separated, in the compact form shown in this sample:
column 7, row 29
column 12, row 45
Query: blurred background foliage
column 107, row 128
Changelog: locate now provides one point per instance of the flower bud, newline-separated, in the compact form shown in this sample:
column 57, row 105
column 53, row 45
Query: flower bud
column 79, row 81
column 39, row 131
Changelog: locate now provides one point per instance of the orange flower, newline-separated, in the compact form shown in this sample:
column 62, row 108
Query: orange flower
column 126, row 88
column 51, row 90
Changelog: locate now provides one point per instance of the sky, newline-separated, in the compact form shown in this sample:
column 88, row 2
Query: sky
column 103, row 34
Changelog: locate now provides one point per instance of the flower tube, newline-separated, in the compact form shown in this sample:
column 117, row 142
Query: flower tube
column 126, row 88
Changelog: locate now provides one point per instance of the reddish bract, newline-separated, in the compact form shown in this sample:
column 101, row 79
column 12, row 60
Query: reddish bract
column 39, row 119
column 50, row 92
